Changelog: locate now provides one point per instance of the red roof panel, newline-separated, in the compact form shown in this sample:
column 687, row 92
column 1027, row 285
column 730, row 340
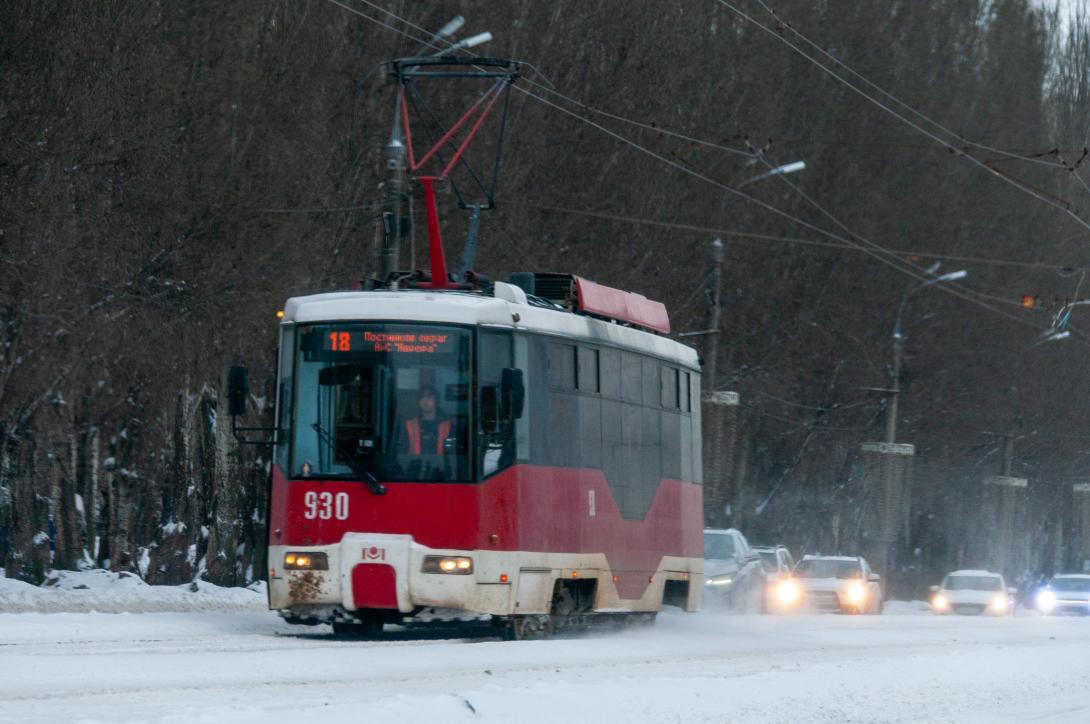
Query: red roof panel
column 625, row 306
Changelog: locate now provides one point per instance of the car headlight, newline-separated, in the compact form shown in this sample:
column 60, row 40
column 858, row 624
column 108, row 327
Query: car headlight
column 304, row 561
column 719, row 581
column 940, row 602
column 455, row 565
column 998, row 603
column 1046, row 600
column 788, row 592
column 856, row 594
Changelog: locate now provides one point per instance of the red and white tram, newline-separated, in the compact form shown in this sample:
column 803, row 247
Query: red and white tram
column 553, row 475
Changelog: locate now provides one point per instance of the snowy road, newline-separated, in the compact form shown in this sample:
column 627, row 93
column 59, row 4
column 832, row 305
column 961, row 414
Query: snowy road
column 249, row 667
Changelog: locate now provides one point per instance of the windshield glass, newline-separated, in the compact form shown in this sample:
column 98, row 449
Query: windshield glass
column 973, row 583
column 825, row 568
column 718, row 547
column 1070, row 584
column 391, row 399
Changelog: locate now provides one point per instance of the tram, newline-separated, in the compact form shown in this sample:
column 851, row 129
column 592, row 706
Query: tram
column 525, row 452
column 561, row 477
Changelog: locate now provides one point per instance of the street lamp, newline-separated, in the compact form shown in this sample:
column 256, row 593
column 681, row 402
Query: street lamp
column 711, row 347
column 469, row 42
column 898, row 349
column 783, row 170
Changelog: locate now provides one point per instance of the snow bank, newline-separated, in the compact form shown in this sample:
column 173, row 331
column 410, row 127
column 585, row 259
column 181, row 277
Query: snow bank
column 906, row 608
column 109, row 592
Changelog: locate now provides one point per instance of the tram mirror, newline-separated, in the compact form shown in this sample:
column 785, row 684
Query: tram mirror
column 513, row 393
column 338, row 375
column 238, row 389
column 489, row 408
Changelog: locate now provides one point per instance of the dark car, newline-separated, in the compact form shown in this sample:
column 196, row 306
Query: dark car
column 777, row 561
column 734, row 577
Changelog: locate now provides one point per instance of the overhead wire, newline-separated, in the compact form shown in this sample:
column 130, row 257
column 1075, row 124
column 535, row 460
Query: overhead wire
column 880, row 253
column 876, row 251
column 1062, row 205
column 906, row 106
column 1065, row 268
column 954, row 288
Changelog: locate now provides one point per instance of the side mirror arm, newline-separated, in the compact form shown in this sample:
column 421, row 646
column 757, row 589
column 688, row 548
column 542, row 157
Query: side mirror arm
column 238, row 390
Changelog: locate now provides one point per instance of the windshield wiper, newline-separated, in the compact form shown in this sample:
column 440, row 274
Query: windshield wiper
column 353, row 462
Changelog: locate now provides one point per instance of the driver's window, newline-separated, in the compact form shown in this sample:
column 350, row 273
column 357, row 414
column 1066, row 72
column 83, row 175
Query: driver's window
column 354, row 413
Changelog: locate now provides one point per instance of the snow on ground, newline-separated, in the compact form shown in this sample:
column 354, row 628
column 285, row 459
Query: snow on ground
column 250, row 667
column 107, row 592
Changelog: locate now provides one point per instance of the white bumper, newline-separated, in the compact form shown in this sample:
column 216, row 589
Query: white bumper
column 481, row 591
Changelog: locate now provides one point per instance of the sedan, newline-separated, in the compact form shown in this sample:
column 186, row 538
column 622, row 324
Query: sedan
column 1068, row 593
column 973, row 593
column 844, row 584
column 733, row 575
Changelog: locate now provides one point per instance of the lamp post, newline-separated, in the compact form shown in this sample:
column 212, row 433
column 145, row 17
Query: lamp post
column 711, row 346
column 898, row 350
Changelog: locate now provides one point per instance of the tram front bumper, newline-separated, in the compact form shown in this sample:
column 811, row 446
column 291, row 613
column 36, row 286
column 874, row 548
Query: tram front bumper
column 391, row 573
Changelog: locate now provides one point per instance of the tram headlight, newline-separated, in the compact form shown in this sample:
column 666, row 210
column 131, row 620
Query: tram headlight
column 305, row 561
column 455, row 565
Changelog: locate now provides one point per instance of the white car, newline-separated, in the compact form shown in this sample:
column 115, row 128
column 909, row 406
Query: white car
column 974, row 593
column 830, row 583
column 1066, row 593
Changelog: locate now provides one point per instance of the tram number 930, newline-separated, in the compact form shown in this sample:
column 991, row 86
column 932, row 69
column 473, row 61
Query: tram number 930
column 325, row 506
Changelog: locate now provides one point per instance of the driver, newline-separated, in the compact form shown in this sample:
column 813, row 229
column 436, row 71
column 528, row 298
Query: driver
column 426, row 433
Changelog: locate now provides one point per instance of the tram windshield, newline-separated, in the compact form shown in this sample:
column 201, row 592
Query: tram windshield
column 386, row 400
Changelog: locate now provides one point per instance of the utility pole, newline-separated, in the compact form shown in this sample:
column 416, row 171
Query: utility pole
column 711, row 346
column 898, row 351
column 394, row 216
column 894, row 390
column 1008, row 453
column 470, row 249
column 1008, row 449
column 1005, row 542
column 719, row 409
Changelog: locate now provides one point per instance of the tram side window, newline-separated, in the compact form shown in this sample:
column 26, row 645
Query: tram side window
column 672, row 449
column 651, row 393
column 496, row 435
column 669, row 388
column 531, row 367
column 609, row 373
column 631, row 380
column 561, row 366
column 588, row 370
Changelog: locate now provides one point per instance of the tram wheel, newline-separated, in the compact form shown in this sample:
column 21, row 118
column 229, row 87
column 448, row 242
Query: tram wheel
column 532, row 627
